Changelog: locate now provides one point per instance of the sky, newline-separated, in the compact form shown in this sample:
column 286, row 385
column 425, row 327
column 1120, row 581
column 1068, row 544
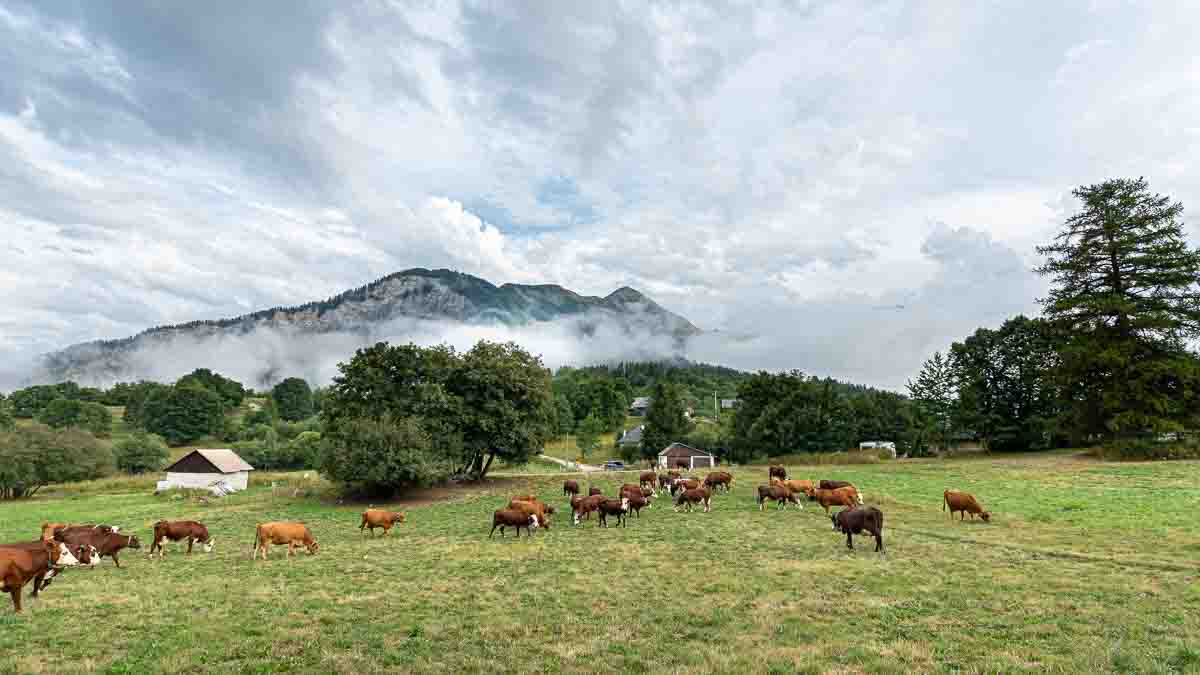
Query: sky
column 855, row 184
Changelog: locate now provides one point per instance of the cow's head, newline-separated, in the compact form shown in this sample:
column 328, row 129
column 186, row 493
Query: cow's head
column 549, row 509
column 313, row 546
column 133, row 542
column 533, row 522
column 61, row 555
column 624, row 503
column 834, row 517
column 985, row 515
column 208, row 546
column 545, row 522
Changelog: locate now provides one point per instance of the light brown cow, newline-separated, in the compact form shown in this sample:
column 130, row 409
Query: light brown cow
column 796, row 486
column 964, row 503
column 844, row 496
column 536, row 510
column 279, row 534
column 373, row 518
column 19, row 566
column 48, row 530
column 533, row 499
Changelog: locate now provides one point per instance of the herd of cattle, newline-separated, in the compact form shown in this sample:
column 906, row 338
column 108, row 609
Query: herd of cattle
column 65, row 545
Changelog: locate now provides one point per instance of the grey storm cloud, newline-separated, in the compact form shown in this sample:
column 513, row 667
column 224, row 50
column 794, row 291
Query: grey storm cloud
column 838, row 187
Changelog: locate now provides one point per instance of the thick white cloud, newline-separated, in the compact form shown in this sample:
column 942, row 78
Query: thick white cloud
column 853, row 183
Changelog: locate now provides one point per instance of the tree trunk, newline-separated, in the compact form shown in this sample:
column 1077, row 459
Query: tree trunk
column 484, row 470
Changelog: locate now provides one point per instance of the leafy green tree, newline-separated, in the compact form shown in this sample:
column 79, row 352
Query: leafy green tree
column 587, row 438
column 1124, row 295
column 183, row 414
column 231, row 391
column 935, row 391
column 666, row 420
column 381, row 456
column 135, row 401
column 62, row 412
column 35, row 456
column 308, row 447
column 7, row 422
column 293, row 399
column 141, row 453
column 564, row 417
column 1006, row 392
column 28, row 402
column 263, row 412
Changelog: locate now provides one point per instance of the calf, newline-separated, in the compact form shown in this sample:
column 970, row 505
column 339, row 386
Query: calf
column 637, row 502
column 104, row 539
column 779, row 493
column 963, row 503
column 532, row 509
column 694, row 496
column 856, row 520
column 613, row 507
column 648, row 478
column 19, row 566
column 514, row 518
column 570, row 488
column 843, row 496
column 179, row 530
column 718, row 479
column 373, row 518
column 776, row 472
column 266, row 534
column 585, row 507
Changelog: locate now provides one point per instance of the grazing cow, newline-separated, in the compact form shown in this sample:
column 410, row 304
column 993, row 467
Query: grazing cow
column 843, row 496
column 796, row 486
column 535, row 509
column 694, row 496
column 570, row 488
column 19, row 566
column 854, row 521
column 776, row 472
column 719, row 479
column 373, row 518
column 103, row 538
column 583, row 509
column 613, row 507
column 637, row 502
column 514, row 518
column 779, row 493
column 630, row 488
column 964, row 503
column 685, row 484
column 594, row 491
column 266, row 534
column 178, row 530
column 648, row 478
column 834, row 484
column 533, row 499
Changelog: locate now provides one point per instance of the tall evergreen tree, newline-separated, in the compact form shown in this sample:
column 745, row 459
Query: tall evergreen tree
column 666, row 421
column 1125, row 296
column 935, row 392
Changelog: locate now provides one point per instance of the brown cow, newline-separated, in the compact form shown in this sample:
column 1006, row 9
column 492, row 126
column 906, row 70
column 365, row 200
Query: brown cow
column 585, row 507
column 570, row 488
column 779, row 493
column 613, row 507
column 685, row 484
column 593, row 491
column 373, row 518
column 637, row 502
column 843, row 496
column 776, row 472
column 533, row 499
column 648, row 478
column 266, row 534
column 103, row 538
column 19, row 566
column 48, row 530
column 694, row 496
column 179, row 530
column 673, row 474
column 664, row 481
column 796, row 486
column 514, row 518
column 536, row 510
column 86, row 555
column 834, row 484
column 680, row 464
column 721, row 479
column 854, row 521
column 963, row 503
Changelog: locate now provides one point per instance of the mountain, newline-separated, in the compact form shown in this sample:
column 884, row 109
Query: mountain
column 413, row 302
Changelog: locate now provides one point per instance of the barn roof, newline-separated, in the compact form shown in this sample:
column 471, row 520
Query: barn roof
column 640, row 402
column 682, row 450
column 222, row 460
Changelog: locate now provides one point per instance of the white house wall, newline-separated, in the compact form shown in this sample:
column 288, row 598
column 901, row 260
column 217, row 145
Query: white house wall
column 237, row 481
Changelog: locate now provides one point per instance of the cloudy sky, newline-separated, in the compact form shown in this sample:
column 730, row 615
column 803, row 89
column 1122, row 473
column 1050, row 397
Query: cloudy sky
column 857, row 183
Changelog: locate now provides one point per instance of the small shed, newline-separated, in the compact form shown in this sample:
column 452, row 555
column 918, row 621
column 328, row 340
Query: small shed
column 639, row 406
column 679, row 452
column 219, row 470
column 631, row 436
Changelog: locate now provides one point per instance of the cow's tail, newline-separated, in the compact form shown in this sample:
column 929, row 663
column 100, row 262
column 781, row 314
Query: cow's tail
column 255, row 546
column 945, row 499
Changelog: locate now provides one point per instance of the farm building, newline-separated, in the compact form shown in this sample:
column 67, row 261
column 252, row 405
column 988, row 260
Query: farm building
column 218, row 470
column 675, row 453
column 729, row 403
column 639, row 406
column 631, row 436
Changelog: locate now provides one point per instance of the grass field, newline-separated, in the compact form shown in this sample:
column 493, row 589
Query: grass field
column 1086, row 567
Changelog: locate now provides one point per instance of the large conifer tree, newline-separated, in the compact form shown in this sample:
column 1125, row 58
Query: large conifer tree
column 1124, row 298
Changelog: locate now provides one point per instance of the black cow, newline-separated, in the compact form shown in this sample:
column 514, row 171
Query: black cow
column 855, row 521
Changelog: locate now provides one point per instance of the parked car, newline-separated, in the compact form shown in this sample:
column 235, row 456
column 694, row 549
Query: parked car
column 614, row 465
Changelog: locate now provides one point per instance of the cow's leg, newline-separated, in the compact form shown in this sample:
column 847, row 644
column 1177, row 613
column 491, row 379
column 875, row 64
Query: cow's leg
column 849, row 540
column 291, row 549
column 37, row 582
column 878, row 541
column 190, row 540
column 16, row 598
column 116, row 560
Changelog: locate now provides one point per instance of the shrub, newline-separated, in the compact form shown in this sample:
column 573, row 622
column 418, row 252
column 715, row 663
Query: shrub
column 293, row 399
column 380, row 457
column 1148, row 448
column 61, row 413
column 35, row 456
column 141, row 453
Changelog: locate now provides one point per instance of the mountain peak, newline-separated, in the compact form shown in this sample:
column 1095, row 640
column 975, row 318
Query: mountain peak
column 626, row 294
